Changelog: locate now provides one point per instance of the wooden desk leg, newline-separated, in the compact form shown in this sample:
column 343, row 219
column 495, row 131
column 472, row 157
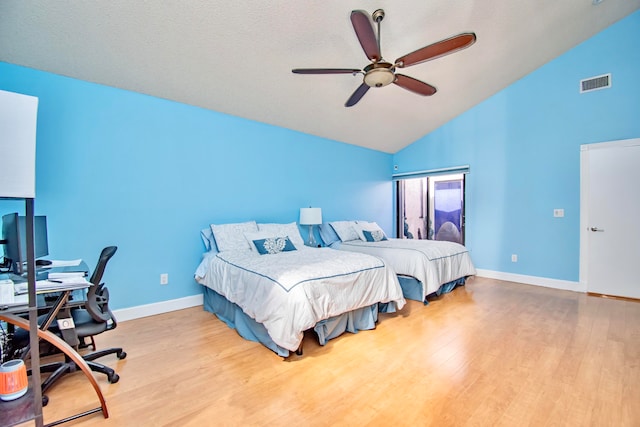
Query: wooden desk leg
column 66, row 349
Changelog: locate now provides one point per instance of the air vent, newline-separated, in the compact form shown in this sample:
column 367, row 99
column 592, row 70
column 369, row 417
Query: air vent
column 595, row 83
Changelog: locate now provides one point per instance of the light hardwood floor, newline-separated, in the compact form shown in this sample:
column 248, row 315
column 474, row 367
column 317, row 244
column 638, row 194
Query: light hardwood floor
column 491, row 353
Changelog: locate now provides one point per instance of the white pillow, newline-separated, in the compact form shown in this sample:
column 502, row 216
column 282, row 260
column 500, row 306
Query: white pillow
column 368, row 226
column 345, row 230
column 230, row 237
column 281, row 230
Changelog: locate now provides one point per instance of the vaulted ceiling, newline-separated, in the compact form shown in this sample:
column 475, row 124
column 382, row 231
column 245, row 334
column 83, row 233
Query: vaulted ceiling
column 236, row 57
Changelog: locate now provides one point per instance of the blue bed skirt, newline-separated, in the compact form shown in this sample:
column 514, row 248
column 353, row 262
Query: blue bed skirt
column 412, row 288
column 358, row 320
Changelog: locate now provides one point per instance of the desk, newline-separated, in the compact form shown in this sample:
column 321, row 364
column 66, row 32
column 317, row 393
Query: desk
column 64, row 291
column 9, row 315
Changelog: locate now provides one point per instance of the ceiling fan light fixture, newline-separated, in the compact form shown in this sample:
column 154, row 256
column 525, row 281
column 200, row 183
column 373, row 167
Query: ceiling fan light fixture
column 379, row 74
column 379, row 77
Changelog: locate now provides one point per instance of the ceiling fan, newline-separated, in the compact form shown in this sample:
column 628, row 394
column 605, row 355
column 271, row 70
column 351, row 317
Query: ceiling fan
column 381, row 73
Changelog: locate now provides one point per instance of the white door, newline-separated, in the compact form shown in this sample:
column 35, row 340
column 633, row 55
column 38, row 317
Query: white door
column 610, row 222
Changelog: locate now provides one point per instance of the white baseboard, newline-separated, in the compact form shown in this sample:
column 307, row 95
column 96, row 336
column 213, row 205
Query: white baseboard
column 157, row 308
column 533, row 280
column 195, row 300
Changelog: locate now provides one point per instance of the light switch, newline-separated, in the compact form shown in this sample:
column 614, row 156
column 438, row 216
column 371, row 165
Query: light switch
column 558, row 213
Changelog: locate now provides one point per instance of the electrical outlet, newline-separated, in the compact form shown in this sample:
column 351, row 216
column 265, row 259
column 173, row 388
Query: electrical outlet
column 164, row 279
column 514, row 258
column 558, row 213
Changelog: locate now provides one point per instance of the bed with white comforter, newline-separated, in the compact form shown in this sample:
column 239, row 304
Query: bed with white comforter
column 292, row 291
column 432, row 262
column 435, row 264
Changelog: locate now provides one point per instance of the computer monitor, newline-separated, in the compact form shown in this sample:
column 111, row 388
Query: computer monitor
column 14, row 232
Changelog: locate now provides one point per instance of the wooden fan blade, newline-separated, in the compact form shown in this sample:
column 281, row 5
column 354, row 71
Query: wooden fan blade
column 438, row 49
column 415, row 86
column 325, row 71
column 357, row 95
column 364, row 30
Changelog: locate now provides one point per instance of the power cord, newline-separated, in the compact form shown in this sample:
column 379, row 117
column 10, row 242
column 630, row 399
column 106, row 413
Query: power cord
column 3, row 342
column 7, row 351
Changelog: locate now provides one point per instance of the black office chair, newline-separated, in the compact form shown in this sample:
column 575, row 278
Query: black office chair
column 93, row 319
column 99, row 303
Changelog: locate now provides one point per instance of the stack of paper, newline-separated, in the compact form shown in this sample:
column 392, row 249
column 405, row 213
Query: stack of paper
column 20, row 288
column 57, row 281
column 67, row 277
column 65, row 263
column 45, row 285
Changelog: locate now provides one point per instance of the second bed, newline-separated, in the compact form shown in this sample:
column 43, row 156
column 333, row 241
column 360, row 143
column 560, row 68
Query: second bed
column 424, row 267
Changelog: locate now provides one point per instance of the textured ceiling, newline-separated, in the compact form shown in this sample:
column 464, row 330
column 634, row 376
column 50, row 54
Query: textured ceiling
column 236, row 57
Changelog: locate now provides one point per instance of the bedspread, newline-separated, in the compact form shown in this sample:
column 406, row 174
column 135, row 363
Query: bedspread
column 430, row 261
column 290, row 292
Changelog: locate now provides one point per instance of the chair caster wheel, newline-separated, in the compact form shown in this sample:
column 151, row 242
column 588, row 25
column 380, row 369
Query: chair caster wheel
column 114, row 378
column 121, row 355
column 45, row 400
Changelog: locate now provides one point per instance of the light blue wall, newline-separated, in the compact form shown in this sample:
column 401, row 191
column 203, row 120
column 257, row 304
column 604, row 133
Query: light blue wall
column 146, row 174
column 523, row 148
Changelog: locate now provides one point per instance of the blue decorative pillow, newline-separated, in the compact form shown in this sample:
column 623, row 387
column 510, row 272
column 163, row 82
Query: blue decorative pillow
column 273, row 245
column 207, row 238
column 374, row 236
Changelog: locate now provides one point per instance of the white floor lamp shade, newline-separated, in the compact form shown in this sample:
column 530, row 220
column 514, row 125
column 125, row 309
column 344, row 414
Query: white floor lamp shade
column 18, row 116
column 311, row 217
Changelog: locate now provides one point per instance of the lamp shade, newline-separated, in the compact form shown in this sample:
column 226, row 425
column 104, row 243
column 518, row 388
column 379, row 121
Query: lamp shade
column 18, row 114
column 310, row 216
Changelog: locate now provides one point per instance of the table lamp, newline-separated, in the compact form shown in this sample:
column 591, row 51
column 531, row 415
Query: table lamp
column 311, row 216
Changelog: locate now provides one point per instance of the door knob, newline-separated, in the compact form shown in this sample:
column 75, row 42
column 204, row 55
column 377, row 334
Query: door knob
column 596, row 229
